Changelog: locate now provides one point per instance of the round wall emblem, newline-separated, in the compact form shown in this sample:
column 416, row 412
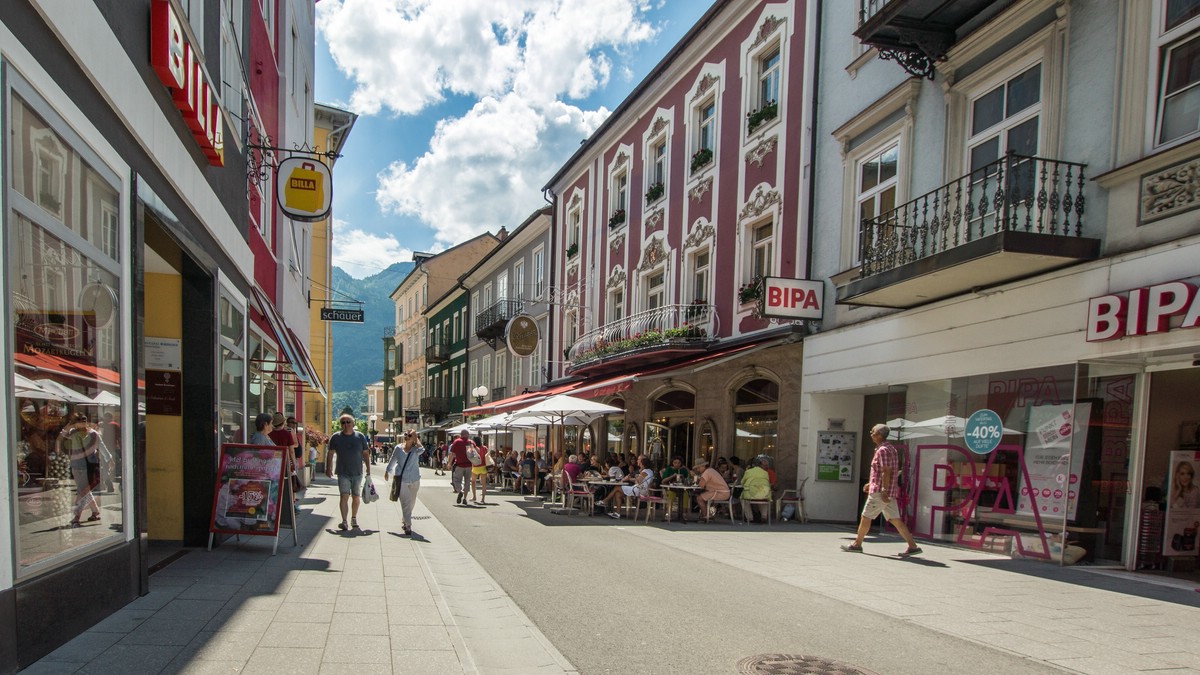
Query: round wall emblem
column 522, row 335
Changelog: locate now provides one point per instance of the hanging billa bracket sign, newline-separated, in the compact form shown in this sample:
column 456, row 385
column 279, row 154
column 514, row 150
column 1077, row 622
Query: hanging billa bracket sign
column 180, row 66
column 304, row 188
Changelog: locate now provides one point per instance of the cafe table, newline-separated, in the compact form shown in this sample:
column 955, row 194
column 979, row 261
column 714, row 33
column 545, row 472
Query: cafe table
column 684, row 495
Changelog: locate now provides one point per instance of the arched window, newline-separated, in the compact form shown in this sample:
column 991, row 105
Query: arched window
column 756, row 419
column 616, row 427
column 673, row 417
column 673, row 401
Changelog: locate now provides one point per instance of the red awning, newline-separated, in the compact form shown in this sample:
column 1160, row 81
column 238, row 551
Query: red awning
column 93, row 376
column 290, row 347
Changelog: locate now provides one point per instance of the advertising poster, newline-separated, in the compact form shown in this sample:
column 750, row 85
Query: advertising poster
column 835, row 455
column 1055, row 441
column 1183, row 505
column 248, row 490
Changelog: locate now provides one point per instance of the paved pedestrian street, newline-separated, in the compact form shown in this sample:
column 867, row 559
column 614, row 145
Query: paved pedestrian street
column 372, row 601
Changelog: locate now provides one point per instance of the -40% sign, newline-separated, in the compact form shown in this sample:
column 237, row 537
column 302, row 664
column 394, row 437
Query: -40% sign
column 983, row 432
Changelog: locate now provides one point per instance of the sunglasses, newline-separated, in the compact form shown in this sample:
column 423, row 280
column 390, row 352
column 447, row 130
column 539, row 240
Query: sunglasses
column 347, row 422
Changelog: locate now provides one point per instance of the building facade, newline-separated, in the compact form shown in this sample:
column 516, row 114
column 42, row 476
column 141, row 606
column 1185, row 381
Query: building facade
column 446, row 362
column 1009, row 245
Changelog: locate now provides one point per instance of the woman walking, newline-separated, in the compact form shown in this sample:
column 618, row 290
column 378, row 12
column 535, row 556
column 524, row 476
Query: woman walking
column 82, row 442
column 405, row 463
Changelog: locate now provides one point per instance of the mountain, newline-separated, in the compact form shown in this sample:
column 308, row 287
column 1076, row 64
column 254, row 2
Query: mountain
column 358, row 347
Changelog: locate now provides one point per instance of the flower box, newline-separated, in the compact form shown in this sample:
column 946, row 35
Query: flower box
column 756, row 118
column 655, row 192
column 701, row 159
column 618, row 218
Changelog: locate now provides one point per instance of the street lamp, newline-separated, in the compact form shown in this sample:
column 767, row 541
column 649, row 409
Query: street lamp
column 479, row 393
column 373, row 418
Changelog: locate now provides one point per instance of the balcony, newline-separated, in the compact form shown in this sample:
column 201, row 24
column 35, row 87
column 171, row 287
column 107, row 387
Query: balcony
column 490, row 323
column 1016, row 217
column 438, row 353
column 918, row 33
column 644, row 337
column 438, row 406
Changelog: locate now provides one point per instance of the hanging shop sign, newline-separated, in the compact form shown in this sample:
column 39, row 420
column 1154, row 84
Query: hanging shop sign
column 304, row 188
column 521, row 335
column 1142, row 311
column 180, row 66
column 792, row 298
column 348, row 315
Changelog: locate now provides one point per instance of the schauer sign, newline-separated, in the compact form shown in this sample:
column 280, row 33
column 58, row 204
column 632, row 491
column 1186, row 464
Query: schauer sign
column 180, row 67
column 521, row 335
column 333, row 314
column 304, row 188
column 792, row 298
column 1143, row 311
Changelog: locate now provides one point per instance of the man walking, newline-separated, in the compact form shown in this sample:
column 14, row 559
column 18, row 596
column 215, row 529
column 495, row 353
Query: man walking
column 881, row 492
column 352, row 453
column 461, row 461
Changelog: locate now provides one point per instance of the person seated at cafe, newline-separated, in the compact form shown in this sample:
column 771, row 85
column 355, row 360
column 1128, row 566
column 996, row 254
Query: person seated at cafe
column 571, row 470
column 639, row 484
column 756, row 485
column 735, row 470
column 528, row 474
column 543, row 471
column 512, row 466
column 676, row 473
column 767, row 463
column 714, row 487
column 592, row 465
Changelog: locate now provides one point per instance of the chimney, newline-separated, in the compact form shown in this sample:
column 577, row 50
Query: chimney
column 502, row 234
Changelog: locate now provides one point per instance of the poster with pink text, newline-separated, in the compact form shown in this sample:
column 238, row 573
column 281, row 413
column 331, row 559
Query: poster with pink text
column 1183, row 505
column 248, row 490
column 1055, row 441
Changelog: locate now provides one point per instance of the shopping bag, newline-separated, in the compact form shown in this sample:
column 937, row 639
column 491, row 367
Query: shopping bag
column 306, row 189
column 369, row 494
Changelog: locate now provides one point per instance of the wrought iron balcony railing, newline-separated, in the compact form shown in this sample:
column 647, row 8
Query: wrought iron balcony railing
column 869, row 8
column 648, row 330
column 1013, row 194
column 490, row 322
column 435, row 405
column 438, row 352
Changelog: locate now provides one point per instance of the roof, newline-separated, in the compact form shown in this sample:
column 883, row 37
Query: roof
column 420, row 264
column 545, row 210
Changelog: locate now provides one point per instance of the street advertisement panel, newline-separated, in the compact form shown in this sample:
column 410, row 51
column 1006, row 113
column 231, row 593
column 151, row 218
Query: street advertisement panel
column 249, row 489
column 1055, row 440
column 1183, row 505
column 835, row 455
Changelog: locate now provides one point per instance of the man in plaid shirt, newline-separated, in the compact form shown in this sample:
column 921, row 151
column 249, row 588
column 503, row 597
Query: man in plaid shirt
column 881, row 491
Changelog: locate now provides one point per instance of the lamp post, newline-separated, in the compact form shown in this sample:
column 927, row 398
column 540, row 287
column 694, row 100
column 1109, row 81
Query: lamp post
column 479, row 393
column 373, row 419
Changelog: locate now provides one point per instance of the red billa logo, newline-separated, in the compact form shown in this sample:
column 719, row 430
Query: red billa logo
column 57, row 332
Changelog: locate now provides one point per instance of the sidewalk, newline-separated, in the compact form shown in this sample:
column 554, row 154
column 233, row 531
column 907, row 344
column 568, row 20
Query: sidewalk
column 425, row 606
column 361, row 602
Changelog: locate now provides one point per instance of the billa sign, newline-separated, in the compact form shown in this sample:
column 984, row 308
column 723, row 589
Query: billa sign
column 180, row 67
column 1143, row 311
column 521, row 335
column 792, row 298
column 349, row 315
column 304, row 188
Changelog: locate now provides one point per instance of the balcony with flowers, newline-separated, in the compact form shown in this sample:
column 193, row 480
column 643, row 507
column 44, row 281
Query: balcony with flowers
column 644, row 337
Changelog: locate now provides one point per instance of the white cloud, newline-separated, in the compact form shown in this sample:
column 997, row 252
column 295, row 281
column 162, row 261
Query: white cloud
column 361, row 254
column 519, row 60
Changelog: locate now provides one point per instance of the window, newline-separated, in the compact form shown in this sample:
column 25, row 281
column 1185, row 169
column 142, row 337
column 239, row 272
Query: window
column 756, row 418
column 1005, row 118
column 656, row 290
column 231, row 58
column 502, row 286
column 478, row 308
column 620, row 197
column 485, row 373
column 1178, row 47
column 501, row 369
column 539, row 272
column 878, row 180
column 770, row 72
column 616, row 305
column 656, row 177
column 474, row 374
column 707, row 126
column 268, row 12
column 762, row 240
column 700, row 276
column 487, row 296
column 516, row 375
column 519, row 279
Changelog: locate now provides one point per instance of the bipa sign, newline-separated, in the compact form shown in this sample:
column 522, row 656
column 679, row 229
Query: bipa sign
column 1143, row 311
column 180, row 68
column 792, row 298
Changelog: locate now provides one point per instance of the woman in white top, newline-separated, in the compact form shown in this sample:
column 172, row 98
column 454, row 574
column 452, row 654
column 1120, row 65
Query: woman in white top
column 641, row 482
column 405, row 463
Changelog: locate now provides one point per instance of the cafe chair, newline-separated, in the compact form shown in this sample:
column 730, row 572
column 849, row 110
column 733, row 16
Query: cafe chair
column 573, row 493
column 655, row 498
column 796, row 498
column 748, row 508
column 727, row 503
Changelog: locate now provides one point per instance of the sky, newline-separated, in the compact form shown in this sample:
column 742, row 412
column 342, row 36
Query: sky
column 468, row 107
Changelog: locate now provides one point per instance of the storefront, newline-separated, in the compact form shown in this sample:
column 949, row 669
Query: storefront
column 1089, row 372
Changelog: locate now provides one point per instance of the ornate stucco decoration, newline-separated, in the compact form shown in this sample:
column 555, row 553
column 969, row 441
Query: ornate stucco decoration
column 701, row 232
column 621, row 159
column 616, row 277
column 761, row 201
column 758, row 153
column 769, row 25
column 573, row 267
column 706, row 83
column 660, row 123
column 575, row 201
column 654, row 254
column 1170, row 192
column 617, row 242
column 654, row 219
column 700, row 188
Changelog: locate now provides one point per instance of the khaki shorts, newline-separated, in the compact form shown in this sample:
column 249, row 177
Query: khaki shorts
column 875, row 506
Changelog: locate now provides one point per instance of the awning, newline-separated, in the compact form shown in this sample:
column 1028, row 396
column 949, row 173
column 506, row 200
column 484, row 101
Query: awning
column 518, row 401
column 607, row 387
column 293, row 351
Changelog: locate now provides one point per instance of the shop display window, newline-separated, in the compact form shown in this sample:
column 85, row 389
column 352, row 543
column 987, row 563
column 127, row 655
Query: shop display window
column 755, row 420
column 63, row 266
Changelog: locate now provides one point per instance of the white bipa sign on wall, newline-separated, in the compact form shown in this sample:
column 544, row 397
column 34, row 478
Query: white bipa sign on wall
column 792, row 298
column 1143, row 311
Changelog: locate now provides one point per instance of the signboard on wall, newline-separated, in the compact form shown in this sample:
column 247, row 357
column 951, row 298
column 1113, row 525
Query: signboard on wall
column 835, row 455
column 164, row 392
column 521, row 335
column 347, row 315
column 304, row 188
column 180, row 67
column 792, row 298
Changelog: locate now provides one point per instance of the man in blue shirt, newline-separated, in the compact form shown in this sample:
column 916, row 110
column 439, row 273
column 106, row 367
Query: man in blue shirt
column 352, row 452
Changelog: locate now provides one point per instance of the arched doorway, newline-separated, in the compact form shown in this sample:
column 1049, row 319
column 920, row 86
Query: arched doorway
column 673, row 415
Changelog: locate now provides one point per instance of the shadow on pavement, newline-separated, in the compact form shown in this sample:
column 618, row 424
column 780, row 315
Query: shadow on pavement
column 1106, row 580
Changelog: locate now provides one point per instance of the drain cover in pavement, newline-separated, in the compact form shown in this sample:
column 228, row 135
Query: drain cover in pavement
column 796, row 664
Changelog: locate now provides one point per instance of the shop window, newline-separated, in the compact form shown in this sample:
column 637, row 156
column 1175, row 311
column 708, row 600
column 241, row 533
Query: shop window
column 232, row 378
column 756, row 419
column 673, row 401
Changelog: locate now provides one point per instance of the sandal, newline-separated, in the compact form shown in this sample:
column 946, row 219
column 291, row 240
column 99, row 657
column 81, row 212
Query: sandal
column 75, row 523
column 354, row 523
column 94, row 517
column 342, row 525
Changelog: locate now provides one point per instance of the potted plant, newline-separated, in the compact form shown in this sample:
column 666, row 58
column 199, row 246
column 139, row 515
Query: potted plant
column 750, row 292
column 618, row 217
column 657, row 190
column 756, row 118
column 572, row 250
column 701, row 158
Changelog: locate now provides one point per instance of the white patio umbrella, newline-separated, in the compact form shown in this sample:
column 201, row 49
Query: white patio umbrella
column 903, row 430
column 62, row 392
column 458, row 428
column 948, row 425
column 556, row 410
column 497, row 423
column 106, row 398
column 23, row 387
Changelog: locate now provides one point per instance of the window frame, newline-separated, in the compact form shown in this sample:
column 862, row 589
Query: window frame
column 1162, row 42
column 859, row 196
column 700, row 290
column 1002, row 78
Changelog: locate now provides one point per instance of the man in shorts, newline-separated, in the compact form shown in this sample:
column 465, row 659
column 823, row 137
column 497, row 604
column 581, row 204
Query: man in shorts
column 881, row 492
column 460, row 477
column 351, row 453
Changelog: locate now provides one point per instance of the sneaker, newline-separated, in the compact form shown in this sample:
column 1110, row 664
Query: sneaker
column 614, row 515
column 852, row 548
column 354, row 523
column 459, row 498
column 342, row 525
column 910, row 551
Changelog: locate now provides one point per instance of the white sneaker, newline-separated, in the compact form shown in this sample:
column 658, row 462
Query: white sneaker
column 614, row 515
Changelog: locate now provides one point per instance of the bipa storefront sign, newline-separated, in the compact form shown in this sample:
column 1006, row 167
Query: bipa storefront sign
column 181, row 69
column 1143, row 311
column 792, row 298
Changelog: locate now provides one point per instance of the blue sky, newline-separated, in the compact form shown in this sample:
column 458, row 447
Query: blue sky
column 467, row 107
